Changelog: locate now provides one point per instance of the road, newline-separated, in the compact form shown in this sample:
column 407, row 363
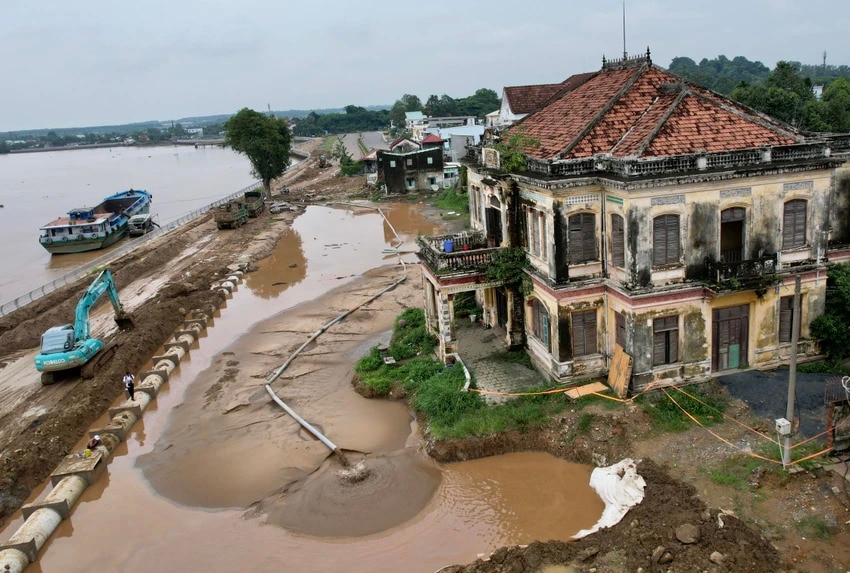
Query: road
column 371, row 139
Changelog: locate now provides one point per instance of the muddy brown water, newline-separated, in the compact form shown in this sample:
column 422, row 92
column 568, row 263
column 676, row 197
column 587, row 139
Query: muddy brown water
column 215, row 477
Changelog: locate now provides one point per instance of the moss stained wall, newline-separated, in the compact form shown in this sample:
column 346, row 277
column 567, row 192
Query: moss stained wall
column 840, row 215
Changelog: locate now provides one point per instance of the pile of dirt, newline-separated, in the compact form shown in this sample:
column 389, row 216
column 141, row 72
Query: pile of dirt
column 671, row 531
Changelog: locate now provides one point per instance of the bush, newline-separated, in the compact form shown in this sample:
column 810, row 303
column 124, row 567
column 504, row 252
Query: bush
column 832, row 328
column 451, row 200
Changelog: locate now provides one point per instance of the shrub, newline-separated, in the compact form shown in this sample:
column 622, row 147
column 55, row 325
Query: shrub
column 667, row 415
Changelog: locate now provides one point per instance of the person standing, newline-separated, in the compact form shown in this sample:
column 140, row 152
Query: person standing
column 129, row 384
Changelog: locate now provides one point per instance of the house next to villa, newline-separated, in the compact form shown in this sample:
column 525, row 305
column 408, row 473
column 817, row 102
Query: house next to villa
column 657, row 216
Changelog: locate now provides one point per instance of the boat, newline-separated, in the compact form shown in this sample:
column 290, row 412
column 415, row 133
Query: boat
column 92, row 228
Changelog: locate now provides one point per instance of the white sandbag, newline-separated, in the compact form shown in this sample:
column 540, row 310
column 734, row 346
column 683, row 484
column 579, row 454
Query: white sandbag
column 620, row 487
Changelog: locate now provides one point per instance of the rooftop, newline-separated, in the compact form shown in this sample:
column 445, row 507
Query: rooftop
column 641, row 111
column 528, row 99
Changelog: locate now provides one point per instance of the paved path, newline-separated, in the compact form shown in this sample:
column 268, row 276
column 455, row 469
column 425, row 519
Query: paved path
column 479, row 348
column 371, row 139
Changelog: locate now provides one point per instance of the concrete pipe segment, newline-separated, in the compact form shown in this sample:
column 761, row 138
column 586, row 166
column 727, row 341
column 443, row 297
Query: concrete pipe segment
column 75, row 474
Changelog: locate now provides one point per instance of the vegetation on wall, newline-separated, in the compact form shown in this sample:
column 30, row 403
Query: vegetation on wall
column 512, row 152
column 508, row 265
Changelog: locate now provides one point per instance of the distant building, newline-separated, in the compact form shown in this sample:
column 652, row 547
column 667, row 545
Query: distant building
column 520, row 101
column 817, row 90
column 420, row 170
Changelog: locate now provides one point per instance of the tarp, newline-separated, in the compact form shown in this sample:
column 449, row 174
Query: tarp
column 620, row 487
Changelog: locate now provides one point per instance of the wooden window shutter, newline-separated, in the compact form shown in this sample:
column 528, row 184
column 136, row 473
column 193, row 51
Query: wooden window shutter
column 589, row 236
column 659, row 348
column 620, row 328
column 673, row 342
column 665, row 240
column 575, row 238
column 794, row 224
column 584, row 332
column 618, row 242
column 786, row 316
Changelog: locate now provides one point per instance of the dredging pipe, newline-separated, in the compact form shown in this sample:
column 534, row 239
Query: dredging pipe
column 74, row 474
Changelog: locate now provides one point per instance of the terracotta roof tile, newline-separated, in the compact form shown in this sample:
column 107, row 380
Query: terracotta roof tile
column 648, row 112
column 528, row 99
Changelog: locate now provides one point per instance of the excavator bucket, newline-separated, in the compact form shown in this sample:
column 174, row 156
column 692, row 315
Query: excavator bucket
column 124, row 321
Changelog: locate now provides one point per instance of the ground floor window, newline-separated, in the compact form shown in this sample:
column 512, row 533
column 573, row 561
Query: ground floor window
column 620, row 330
column 786, row 318
column 584, row 332
column 665, row 347
column 540, row 323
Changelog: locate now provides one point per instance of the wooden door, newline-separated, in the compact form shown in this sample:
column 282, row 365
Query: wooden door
column 730, row 334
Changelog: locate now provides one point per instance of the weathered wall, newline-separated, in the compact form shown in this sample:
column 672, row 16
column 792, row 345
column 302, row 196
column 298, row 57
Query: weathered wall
column 840, row 208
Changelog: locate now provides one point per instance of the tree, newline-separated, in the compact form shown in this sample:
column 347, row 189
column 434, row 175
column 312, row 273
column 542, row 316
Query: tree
column 831, row 328
column 265, row 140
column 836, row 106
column 406, row 103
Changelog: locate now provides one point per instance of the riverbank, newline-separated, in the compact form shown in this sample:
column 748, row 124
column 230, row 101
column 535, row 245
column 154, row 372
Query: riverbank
column 38, row 426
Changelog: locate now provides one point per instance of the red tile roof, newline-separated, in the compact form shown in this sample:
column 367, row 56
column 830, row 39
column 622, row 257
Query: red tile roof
column 646, row 112
column 432, row 138
column 528, row 99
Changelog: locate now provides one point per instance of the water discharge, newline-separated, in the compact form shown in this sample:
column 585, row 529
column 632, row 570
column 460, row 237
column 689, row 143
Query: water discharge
column 216, row 477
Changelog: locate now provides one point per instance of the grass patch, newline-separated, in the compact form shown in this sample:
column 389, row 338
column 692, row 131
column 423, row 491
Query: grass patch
column 585, row 423
column 670, row 417
column 735, row 471
column 328, row 143
column 815, row 528
column 451, row 200
column 435, row 389
column 825, row 367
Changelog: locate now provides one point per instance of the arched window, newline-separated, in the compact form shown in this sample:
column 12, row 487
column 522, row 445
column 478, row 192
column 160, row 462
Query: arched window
column 540, row 323
column 794, row 224
column 665, row 240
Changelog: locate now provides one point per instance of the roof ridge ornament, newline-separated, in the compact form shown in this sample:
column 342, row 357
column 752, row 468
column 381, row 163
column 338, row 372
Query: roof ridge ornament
column 627, row 61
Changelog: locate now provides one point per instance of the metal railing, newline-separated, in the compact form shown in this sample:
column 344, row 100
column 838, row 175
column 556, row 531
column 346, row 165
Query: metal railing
column 122, row 250
column 474, row 259
column 741, row 271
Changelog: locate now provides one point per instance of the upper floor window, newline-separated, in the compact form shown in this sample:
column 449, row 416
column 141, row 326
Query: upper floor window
column 536, row 235
column 392, row 163
column 540, row 323
column 409, row 162
column 618, row 241
column 665, row 240
column 584, row 332
column 430, row 160
column 582, row 238
column 794, row 224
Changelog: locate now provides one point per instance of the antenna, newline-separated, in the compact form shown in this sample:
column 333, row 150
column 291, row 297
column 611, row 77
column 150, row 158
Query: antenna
column 625, row 55
column 824, row 60
column 270, row 108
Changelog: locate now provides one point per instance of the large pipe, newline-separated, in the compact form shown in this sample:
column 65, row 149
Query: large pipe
column 45, row 516
column 307, row 426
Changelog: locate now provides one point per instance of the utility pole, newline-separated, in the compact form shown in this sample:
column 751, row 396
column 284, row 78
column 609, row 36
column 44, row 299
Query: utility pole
column 792, row 371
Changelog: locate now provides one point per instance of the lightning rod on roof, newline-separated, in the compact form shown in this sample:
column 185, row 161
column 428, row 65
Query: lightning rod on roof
column 625, row 54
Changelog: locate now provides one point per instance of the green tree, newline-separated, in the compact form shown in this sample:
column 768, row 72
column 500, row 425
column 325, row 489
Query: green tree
column 265, row 140
column 836, row 106
column 832, row 328
column 406, row 103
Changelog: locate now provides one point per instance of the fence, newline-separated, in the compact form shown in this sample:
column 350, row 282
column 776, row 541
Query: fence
column 84, row 270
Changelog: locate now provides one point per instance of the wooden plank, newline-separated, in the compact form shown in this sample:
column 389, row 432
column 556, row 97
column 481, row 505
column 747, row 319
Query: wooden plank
column 620, row 372
column 579, row 391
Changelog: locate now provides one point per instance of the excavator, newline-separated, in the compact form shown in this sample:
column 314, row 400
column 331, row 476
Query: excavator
column 70, row 347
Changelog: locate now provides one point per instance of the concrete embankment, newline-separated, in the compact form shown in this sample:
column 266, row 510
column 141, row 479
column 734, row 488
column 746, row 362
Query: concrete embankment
column 76, row 472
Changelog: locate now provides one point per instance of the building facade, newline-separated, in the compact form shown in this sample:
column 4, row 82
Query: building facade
column 659, row 217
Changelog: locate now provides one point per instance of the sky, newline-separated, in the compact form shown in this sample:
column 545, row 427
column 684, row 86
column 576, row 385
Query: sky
column 91, row 62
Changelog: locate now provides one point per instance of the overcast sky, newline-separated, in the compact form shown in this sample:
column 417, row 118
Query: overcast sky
column 90, row 62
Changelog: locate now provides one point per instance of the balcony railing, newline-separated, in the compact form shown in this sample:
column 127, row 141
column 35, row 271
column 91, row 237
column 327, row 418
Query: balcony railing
column 743, row 273
column 469, row 253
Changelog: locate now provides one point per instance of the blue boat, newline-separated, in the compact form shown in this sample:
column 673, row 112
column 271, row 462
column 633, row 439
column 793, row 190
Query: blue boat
column 92, row 228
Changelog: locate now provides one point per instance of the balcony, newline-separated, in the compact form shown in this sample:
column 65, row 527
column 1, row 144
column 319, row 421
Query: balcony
column 469, row 253
column 752, row 273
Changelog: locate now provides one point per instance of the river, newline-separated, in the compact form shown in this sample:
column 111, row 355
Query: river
column 36, row 188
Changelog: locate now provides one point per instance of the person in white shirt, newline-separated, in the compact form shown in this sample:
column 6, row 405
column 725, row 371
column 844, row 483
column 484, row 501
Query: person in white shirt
column 129, row 384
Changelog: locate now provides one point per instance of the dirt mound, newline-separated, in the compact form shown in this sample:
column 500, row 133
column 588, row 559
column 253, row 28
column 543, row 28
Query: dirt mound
column 647, row 539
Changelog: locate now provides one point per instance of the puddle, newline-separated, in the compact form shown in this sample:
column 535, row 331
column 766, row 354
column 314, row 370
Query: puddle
column 218, row 478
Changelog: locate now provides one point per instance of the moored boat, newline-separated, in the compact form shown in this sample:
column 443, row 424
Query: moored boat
column 91, row 228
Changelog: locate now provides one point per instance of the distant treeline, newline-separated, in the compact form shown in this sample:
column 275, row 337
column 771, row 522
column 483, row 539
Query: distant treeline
column 787, row 92
column 356, row 119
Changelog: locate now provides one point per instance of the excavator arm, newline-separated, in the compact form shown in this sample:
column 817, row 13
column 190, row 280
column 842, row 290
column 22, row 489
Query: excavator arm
column 102, row 284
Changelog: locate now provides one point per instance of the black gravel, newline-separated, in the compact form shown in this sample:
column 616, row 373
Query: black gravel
column 766, row 393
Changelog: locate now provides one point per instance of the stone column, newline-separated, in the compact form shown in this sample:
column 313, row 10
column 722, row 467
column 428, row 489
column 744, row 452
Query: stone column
column 448, row 341
column 515, row 338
